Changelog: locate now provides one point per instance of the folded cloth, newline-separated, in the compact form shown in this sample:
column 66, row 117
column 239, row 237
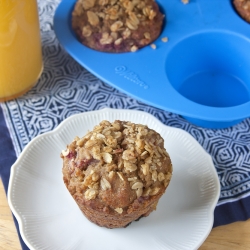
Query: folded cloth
column 232, row 211
column 7, row 158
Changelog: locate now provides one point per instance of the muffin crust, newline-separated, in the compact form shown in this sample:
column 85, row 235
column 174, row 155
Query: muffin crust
column 117, row 25
column 117, row 172
column 243, row 8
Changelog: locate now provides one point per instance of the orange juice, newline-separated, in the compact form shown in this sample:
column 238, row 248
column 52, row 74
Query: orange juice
column 20, row 47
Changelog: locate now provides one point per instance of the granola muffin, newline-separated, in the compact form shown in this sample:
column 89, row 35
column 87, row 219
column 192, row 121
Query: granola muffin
column 117, row 25
column 243, row 8
column 117, row 172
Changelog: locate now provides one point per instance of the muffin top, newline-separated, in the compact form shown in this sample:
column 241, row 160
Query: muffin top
column 116, row 164
column 116, row 25
column 243, row 8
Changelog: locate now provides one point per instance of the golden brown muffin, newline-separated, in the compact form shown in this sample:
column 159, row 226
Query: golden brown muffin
column 117, row 172
column 117, row 25
column 243, row 8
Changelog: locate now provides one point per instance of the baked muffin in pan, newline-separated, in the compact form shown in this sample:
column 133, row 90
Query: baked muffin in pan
column 243, row 8
column 117, row 25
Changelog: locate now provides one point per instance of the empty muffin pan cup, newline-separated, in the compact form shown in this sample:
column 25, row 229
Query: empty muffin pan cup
column 199, row 67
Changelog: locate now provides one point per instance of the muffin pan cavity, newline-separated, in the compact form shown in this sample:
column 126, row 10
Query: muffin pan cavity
column 201, row 72
column 206, row 73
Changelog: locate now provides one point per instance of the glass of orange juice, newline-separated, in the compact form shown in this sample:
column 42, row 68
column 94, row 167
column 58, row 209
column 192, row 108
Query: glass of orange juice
column 20, row 47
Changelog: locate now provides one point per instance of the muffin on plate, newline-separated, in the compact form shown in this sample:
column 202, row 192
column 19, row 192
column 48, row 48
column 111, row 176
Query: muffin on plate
column 117, row 25
column 243, row 8
column 117, row 172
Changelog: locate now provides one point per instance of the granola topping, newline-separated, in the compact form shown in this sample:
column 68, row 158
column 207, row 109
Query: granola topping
column 94, row 20
column 119, row 152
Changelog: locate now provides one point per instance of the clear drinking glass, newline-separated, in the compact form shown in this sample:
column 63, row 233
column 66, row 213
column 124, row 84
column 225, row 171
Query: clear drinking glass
column 20, row 47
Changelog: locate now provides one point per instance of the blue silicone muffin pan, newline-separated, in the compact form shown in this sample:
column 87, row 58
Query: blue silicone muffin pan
column 201, row 73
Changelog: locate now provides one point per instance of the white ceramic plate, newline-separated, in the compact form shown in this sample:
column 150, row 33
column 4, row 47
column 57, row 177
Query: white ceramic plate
column 50, row 219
